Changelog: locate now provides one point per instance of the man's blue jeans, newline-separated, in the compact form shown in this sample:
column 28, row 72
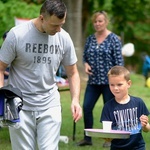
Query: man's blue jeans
column 92, row 94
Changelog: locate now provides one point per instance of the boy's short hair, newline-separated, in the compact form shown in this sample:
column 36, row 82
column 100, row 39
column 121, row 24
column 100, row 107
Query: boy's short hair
column 119, row 70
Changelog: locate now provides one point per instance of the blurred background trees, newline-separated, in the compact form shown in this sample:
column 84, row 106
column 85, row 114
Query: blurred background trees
column 129, row 19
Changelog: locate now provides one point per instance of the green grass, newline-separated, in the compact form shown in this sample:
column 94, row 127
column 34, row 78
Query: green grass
column 137, row 89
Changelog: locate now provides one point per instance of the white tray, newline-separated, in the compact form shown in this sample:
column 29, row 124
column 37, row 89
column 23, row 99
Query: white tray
column 113, row 134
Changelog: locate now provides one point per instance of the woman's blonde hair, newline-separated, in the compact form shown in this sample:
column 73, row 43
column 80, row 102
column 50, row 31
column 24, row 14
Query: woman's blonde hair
column 97, row 13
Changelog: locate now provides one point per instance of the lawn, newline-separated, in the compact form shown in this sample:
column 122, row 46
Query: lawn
column 137, row 89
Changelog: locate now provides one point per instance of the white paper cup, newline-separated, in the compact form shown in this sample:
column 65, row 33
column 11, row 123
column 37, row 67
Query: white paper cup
column 64, row 139
column 107, row 125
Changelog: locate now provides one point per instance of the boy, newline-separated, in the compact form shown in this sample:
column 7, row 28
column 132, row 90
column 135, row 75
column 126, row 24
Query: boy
column 126, row 112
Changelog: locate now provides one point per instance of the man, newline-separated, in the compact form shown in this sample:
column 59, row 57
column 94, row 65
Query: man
column 6, row 73
column 35, row 50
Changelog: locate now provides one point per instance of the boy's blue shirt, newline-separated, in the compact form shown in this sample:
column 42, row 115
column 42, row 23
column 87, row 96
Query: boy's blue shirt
column 126, row 117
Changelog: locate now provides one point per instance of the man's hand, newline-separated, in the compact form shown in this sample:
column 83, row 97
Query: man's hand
column 76, row 110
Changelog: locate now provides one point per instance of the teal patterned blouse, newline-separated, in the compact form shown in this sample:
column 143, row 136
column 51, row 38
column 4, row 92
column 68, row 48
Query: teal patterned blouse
column 101, row 57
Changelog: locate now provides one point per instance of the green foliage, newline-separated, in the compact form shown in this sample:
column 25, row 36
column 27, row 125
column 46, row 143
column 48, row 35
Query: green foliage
column 34, row 1
column 129, row 18
column 126, row 13
column 133, row 19
column 4, row 1
column 14, row 8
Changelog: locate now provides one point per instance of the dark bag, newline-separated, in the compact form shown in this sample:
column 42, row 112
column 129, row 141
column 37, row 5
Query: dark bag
column 12, row 104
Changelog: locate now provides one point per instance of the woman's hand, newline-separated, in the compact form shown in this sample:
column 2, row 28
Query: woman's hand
column 88, row 69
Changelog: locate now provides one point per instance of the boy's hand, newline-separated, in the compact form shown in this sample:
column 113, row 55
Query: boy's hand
column 144, row 120
column 145, row 123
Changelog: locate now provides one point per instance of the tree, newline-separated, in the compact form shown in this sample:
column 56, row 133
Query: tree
column 74, row 26
column 132, row 18
column 14, row 8
column 128, row 17
column 78, row 22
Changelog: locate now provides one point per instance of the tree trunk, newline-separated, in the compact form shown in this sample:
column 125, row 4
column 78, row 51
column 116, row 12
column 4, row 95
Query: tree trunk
column 73, row 26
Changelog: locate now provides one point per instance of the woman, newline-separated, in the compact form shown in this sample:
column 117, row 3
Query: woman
column 101, row 52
